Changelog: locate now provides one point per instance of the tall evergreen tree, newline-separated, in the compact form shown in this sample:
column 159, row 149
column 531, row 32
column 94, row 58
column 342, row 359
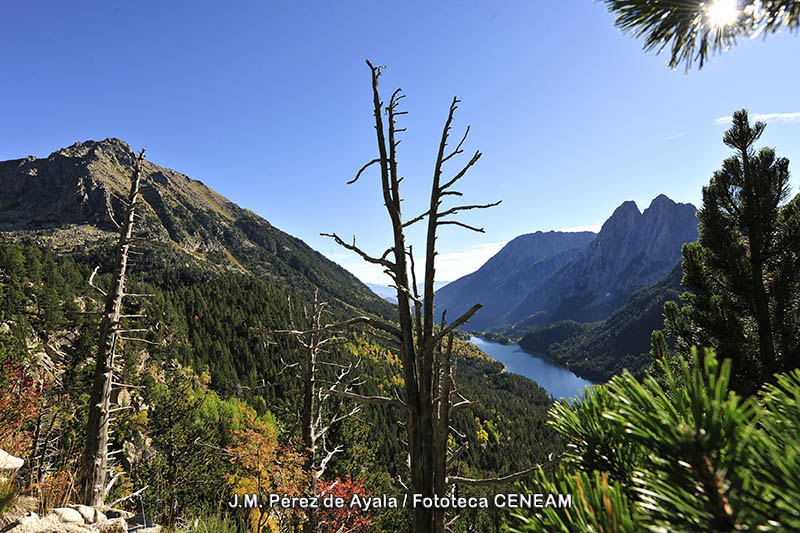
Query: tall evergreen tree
column 743, row 270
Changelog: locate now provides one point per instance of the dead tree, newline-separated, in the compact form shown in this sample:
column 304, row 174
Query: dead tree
column 95, row 460
column 318, row 413
column 431, row 397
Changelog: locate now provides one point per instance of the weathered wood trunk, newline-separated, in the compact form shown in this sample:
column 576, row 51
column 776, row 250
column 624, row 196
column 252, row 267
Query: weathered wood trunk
column 95, row 454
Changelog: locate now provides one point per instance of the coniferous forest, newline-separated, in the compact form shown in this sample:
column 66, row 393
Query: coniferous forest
column 172, row 361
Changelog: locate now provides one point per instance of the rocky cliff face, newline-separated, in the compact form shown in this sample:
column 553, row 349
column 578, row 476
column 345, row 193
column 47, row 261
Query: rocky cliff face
column 633, row 250
column 504, row 280
column 70, row 200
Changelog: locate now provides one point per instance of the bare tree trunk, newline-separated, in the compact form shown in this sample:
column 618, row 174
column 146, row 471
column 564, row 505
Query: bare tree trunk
column 95, row 454
column 313, row 420
column 427, row 375
column 431, row 396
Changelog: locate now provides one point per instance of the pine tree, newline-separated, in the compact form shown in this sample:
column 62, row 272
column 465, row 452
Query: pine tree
column 690, row 28
column 685, row 455
column 742, row 272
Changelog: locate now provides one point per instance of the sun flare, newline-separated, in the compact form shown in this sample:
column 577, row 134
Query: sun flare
column 722, row 13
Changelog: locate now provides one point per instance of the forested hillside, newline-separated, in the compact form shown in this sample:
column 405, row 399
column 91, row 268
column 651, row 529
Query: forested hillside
column 208, row 369
column 601, row 350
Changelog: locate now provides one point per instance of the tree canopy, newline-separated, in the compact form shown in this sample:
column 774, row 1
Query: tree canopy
column 742, row 271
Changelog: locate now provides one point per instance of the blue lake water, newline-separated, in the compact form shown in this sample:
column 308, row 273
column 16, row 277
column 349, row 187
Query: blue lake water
column 558, row 381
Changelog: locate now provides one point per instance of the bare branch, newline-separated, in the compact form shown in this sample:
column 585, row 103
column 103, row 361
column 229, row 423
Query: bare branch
column 366, row 399
column 462, row 172
column 461, row 405
column 416, row 219
column 454, row 210
column 92, row 284
column 128, row 497
column 456, row 454
column 459, row 321
column 362, row 169
column 458, row 149
column 138, row 339
column 359, row 251
column 333, row 327
column 457, row 223
column 486, row 482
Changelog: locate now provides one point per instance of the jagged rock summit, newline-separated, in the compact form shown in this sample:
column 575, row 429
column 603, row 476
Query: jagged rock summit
column 633, row 250
column 541, row 277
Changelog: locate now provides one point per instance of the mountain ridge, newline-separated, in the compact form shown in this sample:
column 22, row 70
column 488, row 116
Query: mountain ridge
column 633, row 250
column 507, row 276
column 72, row 198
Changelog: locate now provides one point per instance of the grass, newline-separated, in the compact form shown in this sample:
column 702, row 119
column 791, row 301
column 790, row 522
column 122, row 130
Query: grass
column 8, row 494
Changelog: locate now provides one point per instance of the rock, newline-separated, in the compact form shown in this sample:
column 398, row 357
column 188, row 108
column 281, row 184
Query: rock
column 90, row 514
column 129, row 451
column 123, row 398
column 117, row 513
column 115, row 525
column 27, row 523
column 9, row 464
column 141, row 523
column 49, row 524
column 68, row 515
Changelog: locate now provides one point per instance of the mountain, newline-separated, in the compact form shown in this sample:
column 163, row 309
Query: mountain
column 390, row 293
column 384, row 291
column 512, row 273
column 69, row 201
column 633, row 250
column 600, row 350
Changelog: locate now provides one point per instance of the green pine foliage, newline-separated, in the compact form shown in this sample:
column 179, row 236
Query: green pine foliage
column 741, row 274
column 684, row 453
column 685, row 28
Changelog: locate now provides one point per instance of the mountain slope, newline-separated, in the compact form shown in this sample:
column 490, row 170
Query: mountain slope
column 69, row 201
column 602, row 349
column 504, row 280
column 633, row 250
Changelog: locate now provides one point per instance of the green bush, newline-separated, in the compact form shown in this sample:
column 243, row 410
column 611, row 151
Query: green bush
column 683, row 453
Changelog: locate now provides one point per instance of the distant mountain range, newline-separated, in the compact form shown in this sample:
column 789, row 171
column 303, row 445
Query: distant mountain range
column 503, row 281
column 390, row 293
column 69, row 200
column 542, row 278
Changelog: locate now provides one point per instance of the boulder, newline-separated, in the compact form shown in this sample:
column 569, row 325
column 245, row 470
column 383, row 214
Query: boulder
column 9, row 464
column 68, row 515
column 117, row 513
column 142, row 523
column 90, row 514
column 51, row 523
column 115, row 525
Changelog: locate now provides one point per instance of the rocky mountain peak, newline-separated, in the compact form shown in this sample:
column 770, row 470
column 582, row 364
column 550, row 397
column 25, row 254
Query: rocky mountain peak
column 661, row 201
column 624, row 216
column 75, row 197
column 111, row 151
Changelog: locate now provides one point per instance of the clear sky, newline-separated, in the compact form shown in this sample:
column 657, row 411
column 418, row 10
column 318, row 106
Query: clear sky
column 269, row 103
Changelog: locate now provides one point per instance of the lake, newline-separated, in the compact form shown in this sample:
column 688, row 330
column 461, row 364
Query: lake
column 558, row 381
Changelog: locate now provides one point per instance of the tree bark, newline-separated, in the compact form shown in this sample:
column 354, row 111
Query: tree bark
column 95, row 454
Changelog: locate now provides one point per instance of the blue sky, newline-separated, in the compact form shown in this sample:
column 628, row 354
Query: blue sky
column 269, row 104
